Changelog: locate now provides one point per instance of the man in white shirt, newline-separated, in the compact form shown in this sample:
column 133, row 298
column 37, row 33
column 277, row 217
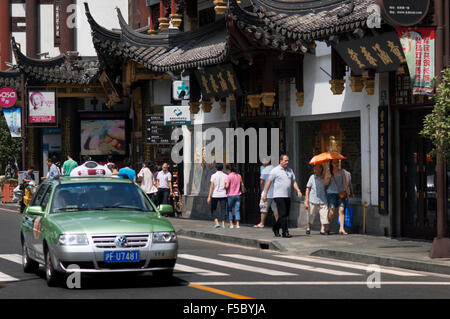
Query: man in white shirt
column 164, row 185
column 283, row 179
column 218, row 195
column 269, row 203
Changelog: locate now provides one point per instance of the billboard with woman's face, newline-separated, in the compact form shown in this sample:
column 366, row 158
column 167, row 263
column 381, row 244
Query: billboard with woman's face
column 41, row 107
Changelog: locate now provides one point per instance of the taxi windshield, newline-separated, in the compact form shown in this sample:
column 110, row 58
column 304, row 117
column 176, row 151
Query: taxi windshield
column 99, row 196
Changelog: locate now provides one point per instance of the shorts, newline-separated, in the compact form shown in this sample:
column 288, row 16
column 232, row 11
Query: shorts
column 334, row 201
column 264, row 206
column 322, row 209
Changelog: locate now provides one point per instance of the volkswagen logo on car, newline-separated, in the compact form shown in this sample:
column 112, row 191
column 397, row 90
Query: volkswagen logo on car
column 121, row 241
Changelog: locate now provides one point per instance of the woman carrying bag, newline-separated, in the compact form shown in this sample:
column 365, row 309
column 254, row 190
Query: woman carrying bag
column 337, row 194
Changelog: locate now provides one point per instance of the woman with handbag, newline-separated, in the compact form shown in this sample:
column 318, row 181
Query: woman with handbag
column 337, row 194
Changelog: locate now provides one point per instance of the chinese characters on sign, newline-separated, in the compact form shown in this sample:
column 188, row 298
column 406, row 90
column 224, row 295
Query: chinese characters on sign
column 382, row 53
column 218, row 81
column 14, row 121
column 157, row 132
column 418, row 47
column 383, row 173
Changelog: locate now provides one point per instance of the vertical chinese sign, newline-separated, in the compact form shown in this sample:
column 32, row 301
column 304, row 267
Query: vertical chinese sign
column 383, row 172
column 8, row 98
column 418, row 47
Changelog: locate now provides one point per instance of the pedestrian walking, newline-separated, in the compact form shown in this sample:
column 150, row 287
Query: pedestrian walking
column 147, row 181
column 316, row 199
column 128, row 171
column 337, row 194
column 164, row 185
column 218, row 196
column 233, row 185
column 68, row 166
column 283, row 179
column 264, row 206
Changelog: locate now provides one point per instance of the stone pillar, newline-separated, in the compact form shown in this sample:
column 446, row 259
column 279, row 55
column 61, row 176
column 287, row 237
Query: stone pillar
column 5, row 32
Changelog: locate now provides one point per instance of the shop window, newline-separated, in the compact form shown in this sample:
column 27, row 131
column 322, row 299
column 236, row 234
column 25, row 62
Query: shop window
column 343, row 135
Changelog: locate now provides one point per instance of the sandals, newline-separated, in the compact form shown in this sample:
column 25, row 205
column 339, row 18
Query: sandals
column 343, row 233
column 258, row 226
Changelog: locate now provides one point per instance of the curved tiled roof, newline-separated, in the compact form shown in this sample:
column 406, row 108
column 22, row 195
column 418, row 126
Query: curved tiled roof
column 166, row 51
column 281, row 23
column 10, row 78
column 61, row 69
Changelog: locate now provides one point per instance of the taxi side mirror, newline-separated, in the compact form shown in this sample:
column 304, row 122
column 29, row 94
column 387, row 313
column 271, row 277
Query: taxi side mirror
column 35, row 210
column 165, row 209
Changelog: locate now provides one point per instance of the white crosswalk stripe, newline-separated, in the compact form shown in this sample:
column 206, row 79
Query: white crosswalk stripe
column 6, row 278
column 350, row 265
column 292, row 265
column 228, row 264
column 198, row 271
column 12, row 257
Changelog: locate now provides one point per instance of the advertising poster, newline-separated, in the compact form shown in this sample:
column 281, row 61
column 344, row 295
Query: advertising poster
column 418, row 46
column 13, row 119
column 103, row 137
column 41, row 107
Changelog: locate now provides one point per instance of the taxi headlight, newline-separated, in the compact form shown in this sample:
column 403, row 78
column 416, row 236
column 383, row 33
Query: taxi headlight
column 73, row 239
column 164, row 237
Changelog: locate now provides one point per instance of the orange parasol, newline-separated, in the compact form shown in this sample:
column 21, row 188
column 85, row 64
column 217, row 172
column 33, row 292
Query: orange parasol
column 325, row 157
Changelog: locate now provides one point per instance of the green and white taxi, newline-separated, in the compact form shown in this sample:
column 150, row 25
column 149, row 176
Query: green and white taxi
column 96, row 225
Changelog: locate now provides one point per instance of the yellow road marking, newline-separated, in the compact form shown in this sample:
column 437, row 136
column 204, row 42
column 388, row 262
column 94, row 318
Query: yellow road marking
column 220, row 292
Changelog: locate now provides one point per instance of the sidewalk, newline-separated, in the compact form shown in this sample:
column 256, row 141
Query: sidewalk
column 408, row 254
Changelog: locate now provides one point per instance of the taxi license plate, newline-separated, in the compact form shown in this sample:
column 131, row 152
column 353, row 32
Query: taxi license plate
column 121, row 256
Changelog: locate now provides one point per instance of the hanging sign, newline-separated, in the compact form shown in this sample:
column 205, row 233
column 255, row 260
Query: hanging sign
column 13, row 119
column 181, row 90
column 177, row 115
column 218, row 81
column 404, row 12
column 381, row 53
column 418, row 47
column 383, row 172
column 8, row 97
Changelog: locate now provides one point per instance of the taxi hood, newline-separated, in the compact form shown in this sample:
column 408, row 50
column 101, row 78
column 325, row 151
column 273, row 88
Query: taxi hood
column 110, row 222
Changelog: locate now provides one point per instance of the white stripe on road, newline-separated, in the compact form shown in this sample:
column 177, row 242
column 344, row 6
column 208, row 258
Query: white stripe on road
column 198, row 271
column 321, row 283
column 9, row 210
column 224, row 263
column 349, row 265
column 6, row 278
column 12, row 257
column 292, row 265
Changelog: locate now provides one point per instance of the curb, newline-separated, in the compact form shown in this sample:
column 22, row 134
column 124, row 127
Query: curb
column 383, row 261
column 255, row 243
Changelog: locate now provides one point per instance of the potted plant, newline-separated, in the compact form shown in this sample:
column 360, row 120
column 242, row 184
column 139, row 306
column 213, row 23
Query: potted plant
column 7, row 187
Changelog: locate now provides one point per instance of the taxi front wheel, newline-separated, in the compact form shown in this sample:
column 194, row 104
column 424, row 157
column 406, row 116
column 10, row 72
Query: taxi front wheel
column 53, row 277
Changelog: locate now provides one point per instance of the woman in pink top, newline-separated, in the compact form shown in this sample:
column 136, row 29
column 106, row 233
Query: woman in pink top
column 233, row 184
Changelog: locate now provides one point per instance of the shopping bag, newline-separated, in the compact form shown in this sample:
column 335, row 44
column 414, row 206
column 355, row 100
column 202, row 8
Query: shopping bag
column 348, row 220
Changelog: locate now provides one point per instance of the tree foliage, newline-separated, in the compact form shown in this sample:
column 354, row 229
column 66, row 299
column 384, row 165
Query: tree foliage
column 10, row 148
column 437, row 124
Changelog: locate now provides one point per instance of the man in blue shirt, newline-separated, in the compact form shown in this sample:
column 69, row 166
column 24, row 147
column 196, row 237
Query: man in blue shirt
column 53, row 170
column 131, row 173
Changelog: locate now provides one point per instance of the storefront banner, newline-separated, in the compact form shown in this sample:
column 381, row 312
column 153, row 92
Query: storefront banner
column 418, row 47
column 8, row 97
column 42, row 107
column 13, row 119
